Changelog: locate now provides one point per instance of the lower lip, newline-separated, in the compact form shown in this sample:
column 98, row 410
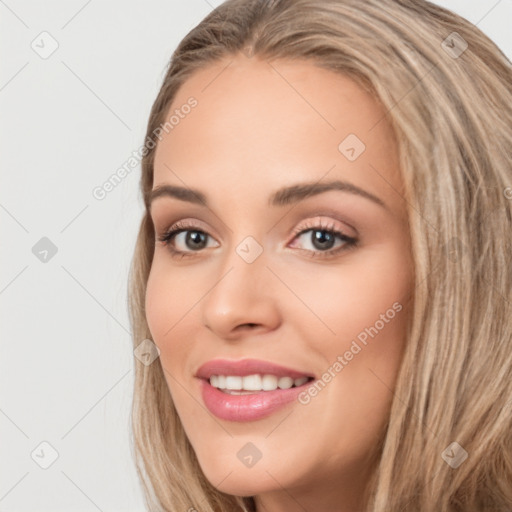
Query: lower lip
column 250, row 407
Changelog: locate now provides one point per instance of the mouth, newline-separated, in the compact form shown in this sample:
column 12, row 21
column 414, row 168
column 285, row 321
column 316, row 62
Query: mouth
column 249, row 389
column 256, row 383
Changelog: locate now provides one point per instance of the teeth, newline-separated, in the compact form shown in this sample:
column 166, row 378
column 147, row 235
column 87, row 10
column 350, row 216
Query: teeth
column 269, row 383
column 254, row 382
column 233, row 382
column 285, row 383
column 299, row 382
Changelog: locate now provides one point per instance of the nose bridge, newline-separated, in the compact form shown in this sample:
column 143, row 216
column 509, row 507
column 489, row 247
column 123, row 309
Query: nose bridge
column 241, row 293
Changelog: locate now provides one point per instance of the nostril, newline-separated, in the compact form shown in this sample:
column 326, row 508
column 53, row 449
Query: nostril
column 249, row 325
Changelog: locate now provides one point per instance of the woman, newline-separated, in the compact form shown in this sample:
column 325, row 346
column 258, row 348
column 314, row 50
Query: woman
column 324, row 264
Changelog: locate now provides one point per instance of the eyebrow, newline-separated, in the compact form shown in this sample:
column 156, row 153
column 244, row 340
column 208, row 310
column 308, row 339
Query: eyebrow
column 282, row 197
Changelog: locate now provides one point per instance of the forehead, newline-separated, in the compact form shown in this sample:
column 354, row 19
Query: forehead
column 266, row 124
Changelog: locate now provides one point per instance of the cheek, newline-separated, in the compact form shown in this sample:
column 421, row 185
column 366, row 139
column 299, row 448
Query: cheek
column 363, row 308
column 169, row 295
column 159, row 304
column 170, row 303
column 369, row 290
column 171, row 313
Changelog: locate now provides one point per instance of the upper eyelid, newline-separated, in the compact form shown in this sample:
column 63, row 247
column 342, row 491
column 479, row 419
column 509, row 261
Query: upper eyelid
column 308, row 214
column 313, row 222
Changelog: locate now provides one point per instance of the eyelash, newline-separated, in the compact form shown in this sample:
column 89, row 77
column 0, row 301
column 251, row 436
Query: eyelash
column 183, row 226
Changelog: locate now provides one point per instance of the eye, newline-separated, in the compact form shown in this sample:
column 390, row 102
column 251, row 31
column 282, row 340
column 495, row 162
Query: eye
column 320, row 239
column 187, row 237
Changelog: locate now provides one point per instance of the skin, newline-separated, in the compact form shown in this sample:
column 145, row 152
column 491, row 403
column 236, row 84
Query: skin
column 254, row 132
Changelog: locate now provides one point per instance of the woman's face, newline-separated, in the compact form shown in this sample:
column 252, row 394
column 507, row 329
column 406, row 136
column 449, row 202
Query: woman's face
column 293, row 253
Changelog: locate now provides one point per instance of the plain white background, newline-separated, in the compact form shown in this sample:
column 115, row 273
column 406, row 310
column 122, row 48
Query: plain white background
column 68, row 122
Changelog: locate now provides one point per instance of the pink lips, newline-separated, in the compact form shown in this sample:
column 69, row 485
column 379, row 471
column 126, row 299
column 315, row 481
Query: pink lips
column 248, row 407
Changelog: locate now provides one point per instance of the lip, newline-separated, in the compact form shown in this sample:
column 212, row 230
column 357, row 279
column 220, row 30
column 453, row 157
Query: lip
column 250, row 407
column 244, row 367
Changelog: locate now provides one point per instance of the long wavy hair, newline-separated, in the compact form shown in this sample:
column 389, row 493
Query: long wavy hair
column 448, row 98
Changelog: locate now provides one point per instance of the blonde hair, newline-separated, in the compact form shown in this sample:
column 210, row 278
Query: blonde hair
column 452, row 116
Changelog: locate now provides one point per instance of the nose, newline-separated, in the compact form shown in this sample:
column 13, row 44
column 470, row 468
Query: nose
column 243, row 299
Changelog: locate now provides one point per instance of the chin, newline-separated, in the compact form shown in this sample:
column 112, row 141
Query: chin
column 238, row 481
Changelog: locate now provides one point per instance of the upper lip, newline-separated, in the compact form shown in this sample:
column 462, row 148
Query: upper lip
column 244, row 367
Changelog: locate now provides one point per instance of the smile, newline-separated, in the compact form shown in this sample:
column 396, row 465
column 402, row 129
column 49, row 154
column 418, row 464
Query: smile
column 248, row 389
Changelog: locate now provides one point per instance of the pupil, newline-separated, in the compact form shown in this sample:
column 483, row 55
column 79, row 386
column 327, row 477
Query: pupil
column 198, row 239
column 324, row 239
